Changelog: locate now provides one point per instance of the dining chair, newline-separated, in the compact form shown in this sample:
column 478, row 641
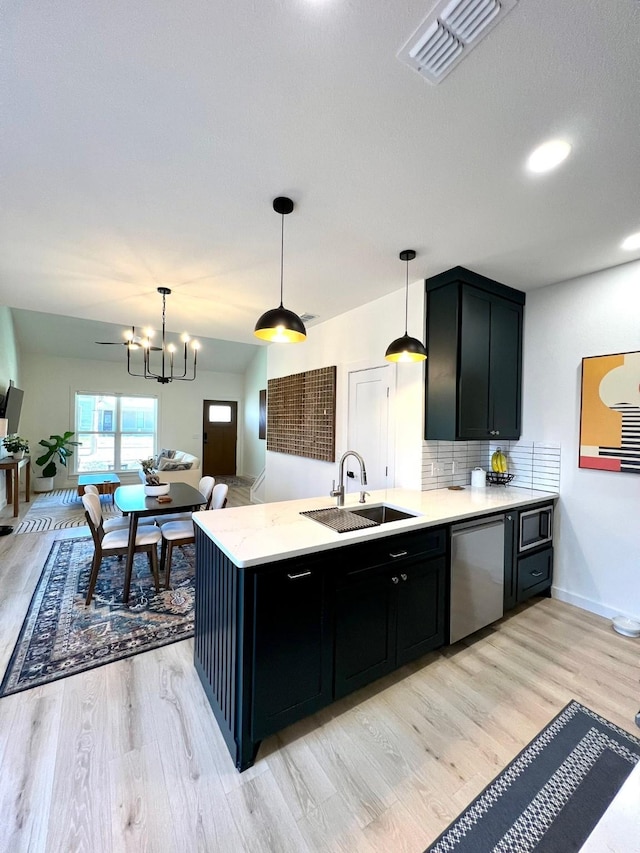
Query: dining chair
column 108, row 524
column 115, row 542
column 174, row 534
column 219, row 496
column 178, row 533
column 205, row 487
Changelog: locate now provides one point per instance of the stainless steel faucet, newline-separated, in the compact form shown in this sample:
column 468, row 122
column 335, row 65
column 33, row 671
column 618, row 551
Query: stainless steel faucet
column 339, row 492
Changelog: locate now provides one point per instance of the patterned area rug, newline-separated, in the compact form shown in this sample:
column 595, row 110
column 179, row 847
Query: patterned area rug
column 58, row 510
column 61, row 636
column 551, row 796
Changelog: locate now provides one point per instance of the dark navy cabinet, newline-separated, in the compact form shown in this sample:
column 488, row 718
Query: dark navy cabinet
column 277, row 642
column 526, row 573
column 291, row 665
column 474, row 370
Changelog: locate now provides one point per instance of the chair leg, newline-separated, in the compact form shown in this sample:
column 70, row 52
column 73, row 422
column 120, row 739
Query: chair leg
column 168, row 564
column 95, row 566
column 163, row 554
column 153, row 560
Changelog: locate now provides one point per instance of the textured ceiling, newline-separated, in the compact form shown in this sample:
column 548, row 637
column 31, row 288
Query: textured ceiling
column 144, row 142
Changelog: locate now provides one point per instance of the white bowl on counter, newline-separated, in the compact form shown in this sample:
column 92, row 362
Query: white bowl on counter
column 626, row 626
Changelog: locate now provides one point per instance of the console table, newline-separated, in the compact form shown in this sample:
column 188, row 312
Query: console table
column 105, row 483
column 12, row 467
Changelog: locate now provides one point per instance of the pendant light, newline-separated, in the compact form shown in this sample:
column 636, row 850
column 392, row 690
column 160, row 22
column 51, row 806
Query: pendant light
column 279, row 324
column 406, row 348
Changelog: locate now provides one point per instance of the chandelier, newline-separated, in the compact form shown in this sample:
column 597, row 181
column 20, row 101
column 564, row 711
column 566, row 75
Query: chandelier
column 166, row 372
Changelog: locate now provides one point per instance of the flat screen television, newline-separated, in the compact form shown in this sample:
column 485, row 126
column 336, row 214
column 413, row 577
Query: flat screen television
column 11, row 407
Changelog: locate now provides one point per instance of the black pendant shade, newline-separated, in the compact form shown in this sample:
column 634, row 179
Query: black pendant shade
column 406, row 348
column 279, row 324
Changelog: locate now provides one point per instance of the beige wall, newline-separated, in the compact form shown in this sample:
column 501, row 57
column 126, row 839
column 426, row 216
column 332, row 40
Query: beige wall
column 9, row 369
column 50, row 385
column 255, row 380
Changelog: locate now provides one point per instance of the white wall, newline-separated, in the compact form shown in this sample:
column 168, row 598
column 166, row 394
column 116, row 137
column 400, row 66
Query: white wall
column 597, row 558
column 357, row 337
column 9, row 369
column 255, row 380
column 50, row 384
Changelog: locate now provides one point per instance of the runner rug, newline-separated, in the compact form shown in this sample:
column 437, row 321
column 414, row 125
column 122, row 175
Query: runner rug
column 553, row 793
column 58, row 510
column 61, row 636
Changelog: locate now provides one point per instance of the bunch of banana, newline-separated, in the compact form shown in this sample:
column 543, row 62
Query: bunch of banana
column 499, row 462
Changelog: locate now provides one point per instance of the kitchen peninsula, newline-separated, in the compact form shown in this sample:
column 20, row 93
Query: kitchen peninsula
column 291, row 614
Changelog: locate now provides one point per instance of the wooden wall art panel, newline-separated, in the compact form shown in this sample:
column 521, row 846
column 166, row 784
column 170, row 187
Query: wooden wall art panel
column 301, row 414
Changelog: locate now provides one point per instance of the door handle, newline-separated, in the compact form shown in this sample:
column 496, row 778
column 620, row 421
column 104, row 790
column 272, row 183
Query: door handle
column 403, row 576
column 395, row 579
column 399, row 554
column 300, row 575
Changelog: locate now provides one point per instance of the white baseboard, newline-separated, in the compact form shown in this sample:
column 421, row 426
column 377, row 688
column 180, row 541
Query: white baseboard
column 588, row 604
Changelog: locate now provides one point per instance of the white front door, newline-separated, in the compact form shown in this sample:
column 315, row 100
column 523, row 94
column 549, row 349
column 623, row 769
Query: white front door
column 368, row 427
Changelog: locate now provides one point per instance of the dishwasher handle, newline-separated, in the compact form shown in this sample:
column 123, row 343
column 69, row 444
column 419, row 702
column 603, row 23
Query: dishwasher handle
column 476, row 524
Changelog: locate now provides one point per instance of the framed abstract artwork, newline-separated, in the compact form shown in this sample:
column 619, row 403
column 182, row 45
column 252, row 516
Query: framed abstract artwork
column 610, row 413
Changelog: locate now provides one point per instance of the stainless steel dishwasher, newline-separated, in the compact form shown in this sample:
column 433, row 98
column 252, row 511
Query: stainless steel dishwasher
column 477, row 575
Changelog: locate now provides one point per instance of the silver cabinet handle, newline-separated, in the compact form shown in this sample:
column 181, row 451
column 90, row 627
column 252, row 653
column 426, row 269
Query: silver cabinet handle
column 509, row 518
column 536, row 574
column 403, row 576
column 301, row 575
column 399, row 554
column 395, row 579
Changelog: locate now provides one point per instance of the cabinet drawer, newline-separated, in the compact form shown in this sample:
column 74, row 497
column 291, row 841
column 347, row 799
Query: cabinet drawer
column 534, row 573
column 385, row 552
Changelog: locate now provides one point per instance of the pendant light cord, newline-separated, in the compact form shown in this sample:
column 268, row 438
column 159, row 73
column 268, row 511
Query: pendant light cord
column 281, row 260
column 406, row 303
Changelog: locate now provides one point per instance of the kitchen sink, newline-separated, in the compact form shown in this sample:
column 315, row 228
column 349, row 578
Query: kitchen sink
column 382, row 514
column 345, row 520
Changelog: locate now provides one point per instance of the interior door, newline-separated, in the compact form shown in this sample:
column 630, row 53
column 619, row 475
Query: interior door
column 368, row 427
column 219, row 437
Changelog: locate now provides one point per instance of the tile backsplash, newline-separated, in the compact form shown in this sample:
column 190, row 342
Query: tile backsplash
column 536, row 465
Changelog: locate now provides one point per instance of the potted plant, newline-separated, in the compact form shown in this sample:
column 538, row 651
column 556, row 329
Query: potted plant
column 152, row 484
column 15, row 445
column 57, row 447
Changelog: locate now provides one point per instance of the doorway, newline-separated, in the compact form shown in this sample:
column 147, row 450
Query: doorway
column 368, row 426
column 219, row 437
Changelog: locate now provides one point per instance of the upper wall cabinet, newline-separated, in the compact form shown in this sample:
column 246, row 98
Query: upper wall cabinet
column 474, row 368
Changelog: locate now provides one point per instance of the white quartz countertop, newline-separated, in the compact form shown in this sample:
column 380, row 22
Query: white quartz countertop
column 263, row 533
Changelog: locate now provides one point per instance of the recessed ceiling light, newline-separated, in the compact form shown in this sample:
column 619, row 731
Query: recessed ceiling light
column 548, row 155
column 632, row 242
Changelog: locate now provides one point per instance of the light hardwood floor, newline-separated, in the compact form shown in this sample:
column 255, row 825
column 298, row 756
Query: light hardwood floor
column 128, row 757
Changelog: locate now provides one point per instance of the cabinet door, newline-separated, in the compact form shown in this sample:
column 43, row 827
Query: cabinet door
column 475, row 360
column 505, row 368
column 420, row 605
column 535, row 573
column 364, row 629
column 291, row 646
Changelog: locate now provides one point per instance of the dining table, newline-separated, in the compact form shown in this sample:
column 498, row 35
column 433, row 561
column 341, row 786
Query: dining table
column 134, row 502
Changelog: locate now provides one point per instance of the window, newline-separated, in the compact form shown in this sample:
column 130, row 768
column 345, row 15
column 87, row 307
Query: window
column 220, row 414
column 116, row 431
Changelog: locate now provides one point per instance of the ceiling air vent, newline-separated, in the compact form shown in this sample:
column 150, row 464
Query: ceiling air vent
column 450, row 31
column 306, row 318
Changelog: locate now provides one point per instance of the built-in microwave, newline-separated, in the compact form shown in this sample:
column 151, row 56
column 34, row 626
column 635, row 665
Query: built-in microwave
column 536, row 528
